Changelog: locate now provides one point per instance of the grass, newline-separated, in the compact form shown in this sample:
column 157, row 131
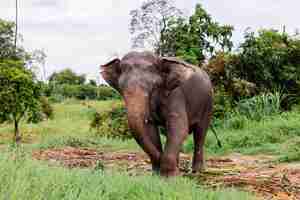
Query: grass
column 278, row 135
column 27, row 179
column 70, row 126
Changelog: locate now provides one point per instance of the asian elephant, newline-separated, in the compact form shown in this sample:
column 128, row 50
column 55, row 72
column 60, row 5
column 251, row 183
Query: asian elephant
column 167, row 92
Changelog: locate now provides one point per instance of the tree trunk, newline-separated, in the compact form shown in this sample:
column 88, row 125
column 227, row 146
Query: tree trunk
column 17, row 132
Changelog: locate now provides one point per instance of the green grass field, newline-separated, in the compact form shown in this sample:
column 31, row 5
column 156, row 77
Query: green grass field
column 25, row 178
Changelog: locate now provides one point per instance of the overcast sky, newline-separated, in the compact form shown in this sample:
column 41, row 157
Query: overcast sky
column 83, row 34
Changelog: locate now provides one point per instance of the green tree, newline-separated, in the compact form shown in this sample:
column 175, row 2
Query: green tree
column 7, row 46
column 19, row 93
column 67, row 76
column 269, row 59
column 92, row 82
column 149, row 23
column 194, row 38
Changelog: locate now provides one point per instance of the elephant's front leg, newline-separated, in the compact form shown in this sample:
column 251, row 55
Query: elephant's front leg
column 155, row 139
column 177, row 127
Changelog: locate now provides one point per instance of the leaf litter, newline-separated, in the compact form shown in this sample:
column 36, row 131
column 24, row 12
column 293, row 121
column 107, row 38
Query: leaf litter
column 258, row 174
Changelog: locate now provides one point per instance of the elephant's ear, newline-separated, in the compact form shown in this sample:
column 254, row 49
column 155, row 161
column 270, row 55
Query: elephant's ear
column 111, row 73
column 175, row 71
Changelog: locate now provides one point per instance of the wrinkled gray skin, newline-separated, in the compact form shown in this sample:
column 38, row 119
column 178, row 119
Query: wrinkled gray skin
column 167, row 92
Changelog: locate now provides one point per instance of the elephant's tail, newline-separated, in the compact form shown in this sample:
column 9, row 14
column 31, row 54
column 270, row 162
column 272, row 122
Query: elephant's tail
column 216, row 135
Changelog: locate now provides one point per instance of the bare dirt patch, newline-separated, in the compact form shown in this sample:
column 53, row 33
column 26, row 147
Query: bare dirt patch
column 257, row 174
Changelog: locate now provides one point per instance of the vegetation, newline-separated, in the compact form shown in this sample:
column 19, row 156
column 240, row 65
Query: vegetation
column 25, row 179
column 67, row 76
column 150, row 22
column 256, row 108
column 7, row 46
column 58, row 93
column 194, row 38
column 112, row 123
column 19, row 94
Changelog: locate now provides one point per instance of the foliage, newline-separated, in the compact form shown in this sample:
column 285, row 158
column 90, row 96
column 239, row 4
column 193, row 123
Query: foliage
column 193, row 38
column 112, row 123
column 223, row 103
column 7, row 46
column 67, row 76
column 19, row 94
column 149, row 23
column 92, row 82
column 46, row 108
column 58, row 93
column 259, row 107
column 269, row 60
column 27, row 179
column 292, row 149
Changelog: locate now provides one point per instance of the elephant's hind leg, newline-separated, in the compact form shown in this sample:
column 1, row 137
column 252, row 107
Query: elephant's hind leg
column 199, row 134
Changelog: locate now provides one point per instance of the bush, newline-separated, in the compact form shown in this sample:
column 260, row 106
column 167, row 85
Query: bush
column 237, row 115
column 258, row 107
column 107, row 93
column 46, row 108
column 269, row 60
column 112, row 123
column 82, row 92
column 223, row 103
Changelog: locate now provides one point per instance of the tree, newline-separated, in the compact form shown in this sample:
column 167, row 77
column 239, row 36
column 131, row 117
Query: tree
column 197, row 36
column 92, row 82
column 269, row 59
column 67, row 76
column 19, row 93
column 7, row 43
column 37, row 63
column 149, row 24
column 6, row 39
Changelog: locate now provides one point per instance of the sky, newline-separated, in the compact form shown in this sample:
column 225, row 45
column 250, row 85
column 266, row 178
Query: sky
column 81, row 35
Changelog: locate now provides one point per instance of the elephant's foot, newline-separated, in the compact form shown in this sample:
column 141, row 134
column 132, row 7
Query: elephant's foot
column 168, row 167
column 155, row 169
column 170, row 173
column 198, row 167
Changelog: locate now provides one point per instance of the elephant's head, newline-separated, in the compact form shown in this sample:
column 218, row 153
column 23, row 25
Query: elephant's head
column 138, row 77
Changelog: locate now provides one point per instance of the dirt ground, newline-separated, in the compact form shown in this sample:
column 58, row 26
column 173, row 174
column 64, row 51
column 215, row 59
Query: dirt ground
column 258, row 174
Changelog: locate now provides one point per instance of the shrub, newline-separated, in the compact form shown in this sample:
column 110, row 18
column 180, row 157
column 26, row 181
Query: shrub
column 46, row 107
column 82, row 92
column 258, row 107
column 112, row 123
column 269, row 60
column 223, row 103
column 107, row 93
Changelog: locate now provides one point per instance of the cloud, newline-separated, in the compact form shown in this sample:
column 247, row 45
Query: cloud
column 46, row 3
column 84, row 34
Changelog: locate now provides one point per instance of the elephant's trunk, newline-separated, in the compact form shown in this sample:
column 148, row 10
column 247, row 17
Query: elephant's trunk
column 137, row 104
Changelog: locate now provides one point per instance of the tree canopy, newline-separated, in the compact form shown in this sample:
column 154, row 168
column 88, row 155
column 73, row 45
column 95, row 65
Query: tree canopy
column 67, row 76
column 19, row 93
column 7, row 47
column 193, row 38
column 149, row 23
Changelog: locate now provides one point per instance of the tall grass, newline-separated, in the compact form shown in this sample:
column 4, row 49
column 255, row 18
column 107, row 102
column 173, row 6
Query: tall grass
column 25, row 179
column 256, row 108
column 275, row 135
column 259, row 107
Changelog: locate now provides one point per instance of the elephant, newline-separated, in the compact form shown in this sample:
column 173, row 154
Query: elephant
column 168, row 92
